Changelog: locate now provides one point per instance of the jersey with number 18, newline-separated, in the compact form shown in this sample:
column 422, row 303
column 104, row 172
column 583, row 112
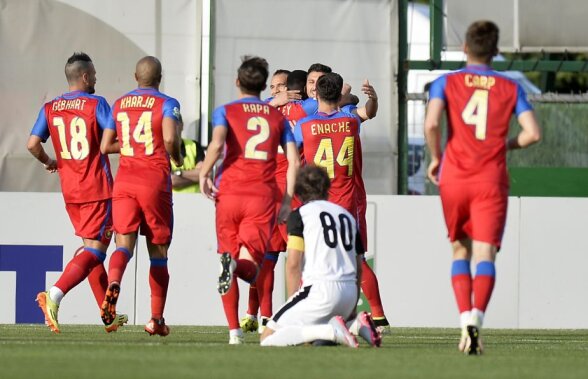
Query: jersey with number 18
column 479, row 103
column 137, row 118
column 75, row 121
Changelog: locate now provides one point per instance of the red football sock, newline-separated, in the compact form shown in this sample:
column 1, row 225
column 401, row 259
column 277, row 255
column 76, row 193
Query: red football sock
column 98, row 280
column 158, row 281
column 246, row 270
column 231, row 304
column 77, row 270
column 461, row 280
column 253, row 303
column 462, row 288
column 118, row 264
column 371, row 290
column 265, row 283
column 483, row 284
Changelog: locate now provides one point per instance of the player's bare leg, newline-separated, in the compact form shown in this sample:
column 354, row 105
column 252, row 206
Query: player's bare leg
column 125, row 244
column 158, row 282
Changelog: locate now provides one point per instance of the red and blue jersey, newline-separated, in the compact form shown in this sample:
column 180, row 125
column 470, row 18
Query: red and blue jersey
column 255, row 130
column 75, row 121
column 137, row 118
column 293, row 111
column 329, row 141
column 479, row 103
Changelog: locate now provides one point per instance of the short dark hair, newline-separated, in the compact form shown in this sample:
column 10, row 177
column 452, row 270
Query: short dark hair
column 319, row 67
column 253, row 74
column 281, row 71
column 312, row 183
column 76, row 65
column 297, row 81
column 482, row 39
column 329, row 86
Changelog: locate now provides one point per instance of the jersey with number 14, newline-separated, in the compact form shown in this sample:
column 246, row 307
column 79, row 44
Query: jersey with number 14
column 479, row 104
column 137, row 118
column 255, row 130
column 75, row 121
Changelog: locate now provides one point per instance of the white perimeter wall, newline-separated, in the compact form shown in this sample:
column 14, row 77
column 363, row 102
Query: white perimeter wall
column 541, row 270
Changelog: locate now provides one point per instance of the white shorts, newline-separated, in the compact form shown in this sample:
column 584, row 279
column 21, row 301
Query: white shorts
column 316, row 304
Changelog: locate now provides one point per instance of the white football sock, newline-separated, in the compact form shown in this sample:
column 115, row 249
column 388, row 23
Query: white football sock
column 477, row 317
column 56, row 295
column 465, row 319
column 236, row 332
column 296, row 335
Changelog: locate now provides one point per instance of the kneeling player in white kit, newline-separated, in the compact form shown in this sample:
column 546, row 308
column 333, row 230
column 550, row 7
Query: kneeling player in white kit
column 323, row 272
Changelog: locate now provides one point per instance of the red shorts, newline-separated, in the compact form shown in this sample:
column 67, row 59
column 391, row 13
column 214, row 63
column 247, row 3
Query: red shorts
column 279, row 236
column 136, row 207
column 475, row 211
column 92, row 220
column 244, row 222
column 361, row 220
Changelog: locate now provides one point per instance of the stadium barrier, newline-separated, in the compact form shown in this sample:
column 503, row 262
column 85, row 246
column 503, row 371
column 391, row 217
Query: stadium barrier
column 540, row 269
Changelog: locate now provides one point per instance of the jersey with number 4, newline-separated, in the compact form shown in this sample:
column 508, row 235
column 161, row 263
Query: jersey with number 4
column 327, row 234
column 75, row 121
column 137, row 118
column 329, row 141
column 255, row 130
column 479, row 104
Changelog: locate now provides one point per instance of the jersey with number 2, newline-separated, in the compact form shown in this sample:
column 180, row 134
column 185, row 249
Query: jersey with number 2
column 479, row 104
column 255, row 130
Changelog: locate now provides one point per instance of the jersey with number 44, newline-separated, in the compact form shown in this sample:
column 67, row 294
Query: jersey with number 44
column 255, row 130
column 75, row 121
column 479, row 104
column 329, row 141
column 137, row 118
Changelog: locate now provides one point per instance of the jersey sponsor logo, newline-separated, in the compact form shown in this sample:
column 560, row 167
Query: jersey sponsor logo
column 176, row 112
column 31, row 264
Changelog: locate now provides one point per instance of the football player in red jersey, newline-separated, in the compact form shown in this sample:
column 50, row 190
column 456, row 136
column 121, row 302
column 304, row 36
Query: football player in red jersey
column 472, row 173
column 329, row 138
column 261, row 291
column 245, row 187
column 75, row 121
column 144, row 128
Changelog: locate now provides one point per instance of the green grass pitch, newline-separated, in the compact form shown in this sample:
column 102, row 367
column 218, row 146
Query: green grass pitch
column 86, row 351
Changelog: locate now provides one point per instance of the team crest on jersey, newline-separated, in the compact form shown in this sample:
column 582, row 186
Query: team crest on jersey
column 176, row 112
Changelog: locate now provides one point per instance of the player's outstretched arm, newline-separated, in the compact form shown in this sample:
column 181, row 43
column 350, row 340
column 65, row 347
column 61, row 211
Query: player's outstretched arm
column 109, row 144
column 433, row 136
column 213, row 153
column 172, row 140
column 370, row 109
column 36, row 149
column 293, row 271
column 530, row 133
column 293, row 167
